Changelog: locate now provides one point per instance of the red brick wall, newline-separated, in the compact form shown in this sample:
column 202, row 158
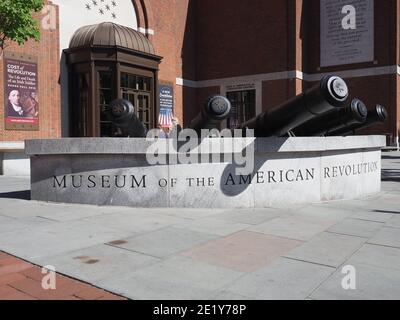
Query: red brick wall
column 174, row 40
column 239, row 37
column 372, row 90
column 385, row 37
column 47, row 51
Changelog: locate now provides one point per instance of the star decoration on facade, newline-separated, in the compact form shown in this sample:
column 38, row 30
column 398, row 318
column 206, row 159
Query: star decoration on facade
column 104, row 6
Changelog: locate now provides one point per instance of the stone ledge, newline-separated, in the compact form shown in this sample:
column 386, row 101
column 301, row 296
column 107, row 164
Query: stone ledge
column 12, row 146
column 115, row 146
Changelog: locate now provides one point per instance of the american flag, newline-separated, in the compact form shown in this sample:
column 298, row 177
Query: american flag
column 102, row 7
column 165, row 118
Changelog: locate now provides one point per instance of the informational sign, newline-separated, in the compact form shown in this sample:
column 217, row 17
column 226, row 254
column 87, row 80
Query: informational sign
column 21, row 93
column 347, row 32
column 241, row 87
column 166, row 95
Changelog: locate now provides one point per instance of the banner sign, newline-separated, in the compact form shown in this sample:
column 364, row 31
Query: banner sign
column 166, row 95
column 347, row 32
column 21, row 101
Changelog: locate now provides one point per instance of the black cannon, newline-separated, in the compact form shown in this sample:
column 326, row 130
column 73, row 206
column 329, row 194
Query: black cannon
column 326, row 123
column 378, row 114
column 122, row 115
column 214, row 111
column 330, row 94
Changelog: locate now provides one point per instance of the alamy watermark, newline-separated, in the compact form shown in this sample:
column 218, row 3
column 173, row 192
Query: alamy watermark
column 349, row 280
column 187, row 147
column 349, row 22
column 49, row 17
column 49, row 278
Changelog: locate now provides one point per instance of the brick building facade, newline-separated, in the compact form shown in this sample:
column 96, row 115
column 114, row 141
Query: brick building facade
column 48, row 61
column 260, row 53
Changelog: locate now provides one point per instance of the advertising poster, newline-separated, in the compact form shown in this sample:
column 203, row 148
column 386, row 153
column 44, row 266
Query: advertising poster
column 166, row 94
column 347, row 32
column 21, row 93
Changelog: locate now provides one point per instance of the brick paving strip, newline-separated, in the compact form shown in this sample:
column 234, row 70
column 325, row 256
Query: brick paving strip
column 20, row 280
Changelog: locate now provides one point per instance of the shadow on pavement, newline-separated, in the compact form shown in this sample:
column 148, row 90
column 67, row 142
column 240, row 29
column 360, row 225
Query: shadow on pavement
column 22, row 195
column 390, row 158
column 392, row 175
column 387, row 211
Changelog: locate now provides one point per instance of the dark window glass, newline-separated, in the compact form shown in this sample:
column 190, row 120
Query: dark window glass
column 243, row 107
column 105, row 79
column 124, row 80
column 105, row 97
column 81, row 98
column 132, row 81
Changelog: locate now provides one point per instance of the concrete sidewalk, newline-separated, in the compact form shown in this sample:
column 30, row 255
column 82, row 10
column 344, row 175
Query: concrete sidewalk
column 293, row 253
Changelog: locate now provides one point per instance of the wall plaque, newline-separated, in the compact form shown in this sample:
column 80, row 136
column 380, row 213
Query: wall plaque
column 347, row 32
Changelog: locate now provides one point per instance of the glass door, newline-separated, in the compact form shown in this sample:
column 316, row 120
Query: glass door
column 243, row 107
column 138, row 90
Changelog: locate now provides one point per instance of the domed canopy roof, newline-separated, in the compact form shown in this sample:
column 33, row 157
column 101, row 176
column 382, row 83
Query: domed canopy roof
column 110, row 34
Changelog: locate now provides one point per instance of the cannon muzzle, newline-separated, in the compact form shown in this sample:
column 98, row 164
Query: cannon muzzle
column 378, row 114
column 214, row 111
column 123, row 116
column 322, row 125
column 330, row 94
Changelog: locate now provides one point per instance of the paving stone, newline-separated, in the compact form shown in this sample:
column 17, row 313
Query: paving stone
column 243, row 251
column 373, row 216
column 10, row 278
column 394, row 222
column 8, row 224
column 56, row 238
column 212, row 225
column 9, row 293
column 229, row 296
column 13, row 268
column 321, row 211
column 135, row 221
column 327, row 249
column 371, row 283
column 356, row 227
column 26, row 284
column 285, row 279
column 165, row 242
column 250, row 216
column 387, row 237
column 175, row 278
column 188, row 213
column 294, row 227
column 378, row 256
column 98, row 262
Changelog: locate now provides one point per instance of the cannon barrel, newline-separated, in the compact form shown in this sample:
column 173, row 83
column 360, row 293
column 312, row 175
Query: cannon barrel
column 333, row 120
column 331, row 93
column 122, row 115
column 214, row 111
column 376, row 115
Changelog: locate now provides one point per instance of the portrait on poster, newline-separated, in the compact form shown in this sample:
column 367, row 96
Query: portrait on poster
column 21, row 94
column 347, row 32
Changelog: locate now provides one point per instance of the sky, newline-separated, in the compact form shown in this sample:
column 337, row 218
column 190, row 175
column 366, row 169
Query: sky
column 77, row 13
